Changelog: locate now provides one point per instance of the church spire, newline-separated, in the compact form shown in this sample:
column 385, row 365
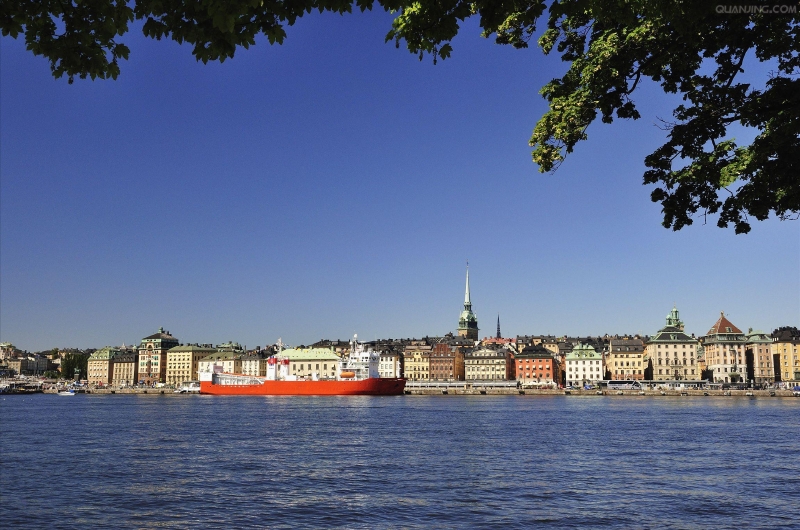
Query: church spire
column 467, row 302
column 498, row 326
column 468, row 323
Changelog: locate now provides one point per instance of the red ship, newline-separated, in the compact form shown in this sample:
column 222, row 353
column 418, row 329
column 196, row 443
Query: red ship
column 242, row 385
column 357, row 376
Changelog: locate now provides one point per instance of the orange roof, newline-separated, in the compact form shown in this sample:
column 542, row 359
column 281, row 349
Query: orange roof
column 723, row 325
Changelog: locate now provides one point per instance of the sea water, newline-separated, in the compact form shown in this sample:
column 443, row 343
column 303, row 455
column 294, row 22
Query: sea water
column 190, row 461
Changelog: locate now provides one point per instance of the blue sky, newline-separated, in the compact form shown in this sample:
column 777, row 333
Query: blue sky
column 335, row 185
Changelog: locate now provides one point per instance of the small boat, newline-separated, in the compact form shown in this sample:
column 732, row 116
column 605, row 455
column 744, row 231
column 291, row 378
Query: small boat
column 66, row 393
column 192, row 387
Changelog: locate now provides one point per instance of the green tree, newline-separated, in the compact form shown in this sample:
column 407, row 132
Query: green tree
column 694, row 49
column 74, row 361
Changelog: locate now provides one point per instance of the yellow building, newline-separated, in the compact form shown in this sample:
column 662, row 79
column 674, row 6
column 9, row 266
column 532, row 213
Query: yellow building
column 417, row 361
column 724, row 347
column 230, row 361
column 673, row 353
column 488, row 365
column 100, row 366
column 625, row 358
column 311, row 362
column 183, row 362
column 785, row 346
column 255, row 363
column 125, row 367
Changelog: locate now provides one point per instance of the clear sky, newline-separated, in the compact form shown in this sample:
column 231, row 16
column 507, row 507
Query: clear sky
column 335, row 185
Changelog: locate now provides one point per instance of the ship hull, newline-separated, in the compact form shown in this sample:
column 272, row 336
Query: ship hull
column 365, row 387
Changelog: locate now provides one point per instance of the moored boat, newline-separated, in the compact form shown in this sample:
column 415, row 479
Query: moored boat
column 356, row 375
column 190, row 387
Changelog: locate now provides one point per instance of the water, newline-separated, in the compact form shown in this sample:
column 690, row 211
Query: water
column 407, row 461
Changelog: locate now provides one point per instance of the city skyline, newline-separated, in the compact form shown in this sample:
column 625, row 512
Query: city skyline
column 311, row 191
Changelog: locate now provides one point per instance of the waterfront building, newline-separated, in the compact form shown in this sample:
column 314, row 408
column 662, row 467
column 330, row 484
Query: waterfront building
column 339, row 347
column 312, row 362
column 37, row 364
column 391, row 364
column 229, row 361
column 17, row 365
column 7, row 350
column 584, row 365
column 27, row 364
column 486, row 364
column 230, row 346
column 672, row 352
column 183, row 362
column 537, row 364
column 100, row 366
column 625, row 359
column 758, row 354
column 153, row 356
column 468, row 321
column 255, row 363
column 417, row 360
column 785, row 345
column 446, row 363
column 125, row 370
column 725, row 352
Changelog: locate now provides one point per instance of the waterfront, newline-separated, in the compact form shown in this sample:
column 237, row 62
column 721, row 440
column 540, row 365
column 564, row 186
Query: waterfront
column 409, row 461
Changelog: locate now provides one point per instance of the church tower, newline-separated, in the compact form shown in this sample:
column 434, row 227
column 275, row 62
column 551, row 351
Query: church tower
column 468, row 322
column 498, row 327
column 673, row 319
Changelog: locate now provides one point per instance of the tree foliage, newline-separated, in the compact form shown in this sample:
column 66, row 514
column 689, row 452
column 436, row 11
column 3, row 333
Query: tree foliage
column 688, row 48
column 72, row 362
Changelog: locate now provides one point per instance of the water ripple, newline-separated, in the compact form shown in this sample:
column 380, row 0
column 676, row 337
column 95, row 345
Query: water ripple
column 399, row 462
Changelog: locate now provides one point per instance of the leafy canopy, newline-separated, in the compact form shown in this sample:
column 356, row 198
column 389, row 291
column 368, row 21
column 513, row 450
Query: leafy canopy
column 689, row 48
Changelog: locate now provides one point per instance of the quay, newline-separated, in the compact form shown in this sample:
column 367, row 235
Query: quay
column 478, row 389
column 463, row 390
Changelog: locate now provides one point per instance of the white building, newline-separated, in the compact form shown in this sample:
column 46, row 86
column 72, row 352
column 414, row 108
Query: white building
column 584, row 366
column 391, row 364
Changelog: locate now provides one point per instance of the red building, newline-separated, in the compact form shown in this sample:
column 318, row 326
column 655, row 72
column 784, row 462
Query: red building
column 447, row 363
column 536, row 364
